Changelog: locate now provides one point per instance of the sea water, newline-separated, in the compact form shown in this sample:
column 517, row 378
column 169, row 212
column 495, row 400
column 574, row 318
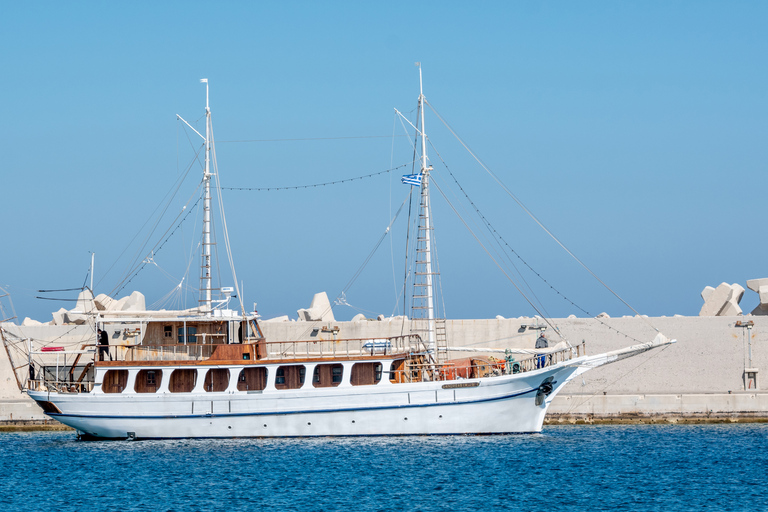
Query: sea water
column 669, row 467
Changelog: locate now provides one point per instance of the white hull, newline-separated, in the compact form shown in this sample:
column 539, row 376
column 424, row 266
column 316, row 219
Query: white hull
column 495, row 405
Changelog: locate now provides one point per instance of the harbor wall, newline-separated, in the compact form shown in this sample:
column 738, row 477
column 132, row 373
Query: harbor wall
column 700, row 378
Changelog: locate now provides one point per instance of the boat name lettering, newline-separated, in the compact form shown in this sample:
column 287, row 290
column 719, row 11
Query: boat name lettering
column 461, row 385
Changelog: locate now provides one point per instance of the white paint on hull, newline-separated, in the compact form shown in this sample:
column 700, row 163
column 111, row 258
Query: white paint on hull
column 504, row 404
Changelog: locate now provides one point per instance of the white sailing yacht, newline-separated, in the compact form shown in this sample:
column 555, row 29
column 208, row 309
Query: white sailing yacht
column 209, row 371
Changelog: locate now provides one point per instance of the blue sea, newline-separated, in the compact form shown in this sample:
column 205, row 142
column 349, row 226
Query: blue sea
column 669, row 467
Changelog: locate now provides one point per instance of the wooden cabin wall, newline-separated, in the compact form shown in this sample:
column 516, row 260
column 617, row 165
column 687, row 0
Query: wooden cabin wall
column 323, row 377
column 183, row 381
column 114, row 381
column 252, row 379
column 292, row 377
column 216, row 379
column 144, row 382
column 364, row 374
column 154, row 333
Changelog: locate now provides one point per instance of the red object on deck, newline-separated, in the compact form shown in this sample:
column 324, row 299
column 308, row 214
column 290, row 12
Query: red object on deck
column 52, row 349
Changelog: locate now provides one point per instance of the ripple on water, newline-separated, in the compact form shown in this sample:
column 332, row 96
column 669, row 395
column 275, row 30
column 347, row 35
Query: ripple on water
column 645, row 467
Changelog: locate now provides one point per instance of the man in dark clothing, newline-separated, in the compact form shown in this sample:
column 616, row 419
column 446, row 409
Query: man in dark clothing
column 541, row 343
column 103, row 345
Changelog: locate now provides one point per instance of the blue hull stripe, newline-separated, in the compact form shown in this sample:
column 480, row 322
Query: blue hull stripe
column 285, row 413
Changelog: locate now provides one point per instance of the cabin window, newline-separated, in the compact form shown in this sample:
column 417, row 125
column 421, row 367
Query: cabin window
column 114, row 381
column 183, row 381
column 365, row 374
column 252, row 379
column 216, row 380
column 397, row 371
column 290, row 377
column 168, row 331
column 191, row 331
column 327, row 375
column 148, row 381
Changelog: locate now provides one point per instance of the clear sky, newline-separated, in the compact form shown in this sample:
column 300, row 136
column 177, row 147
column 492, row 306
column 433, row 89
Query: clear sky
column 637, row 132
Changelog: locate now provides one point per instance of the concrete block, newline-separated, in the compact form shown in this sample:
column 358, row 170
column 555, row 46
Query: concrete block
column 755, row 284
column 283, row 318
column 134, row 302
column 603, row 315
column 104, row 302
column 59, row 317
column 28, row 321
column 716, row 300
column 738, row 293
column 763, row 292
column 318, row 311
column 359, row 318
column 707, row 292
column 730, row 309
column 83, row 308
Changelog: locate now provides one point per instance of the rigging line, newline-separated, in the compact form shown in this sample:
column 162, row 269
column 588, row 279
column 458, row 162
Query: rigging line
column 406, row 273
column 53, row 298
column 137, row 260
column 312, row 138
column 227, row 245
column 375, row 248
column 506, row 256
column 158, row 246
column 180, row 180
column 656, row 353
column 391, row 242
column 494, row 235
column 361, row 268
column 62, row 290
column 535, row 219
column 296, row 187
column 554, row 327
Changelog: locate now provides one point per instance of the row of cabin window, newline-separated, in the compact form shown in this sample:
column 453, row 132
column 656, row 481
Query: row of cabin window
column 249, row 379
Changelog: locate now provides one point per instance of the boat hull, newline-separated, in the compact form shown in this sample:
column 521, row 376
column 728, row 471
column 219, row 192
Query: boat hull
column 491, row 405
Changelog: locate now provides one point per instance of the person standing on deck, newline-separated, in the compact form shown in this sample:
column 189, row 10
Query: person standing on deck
column 103, row 345
column 541, row 342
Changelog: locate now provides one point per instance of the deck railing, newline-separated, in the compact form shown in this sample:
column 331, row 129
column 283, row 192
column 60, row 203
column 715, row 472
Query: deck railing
column 282, row 350
column 272, row 350
column 483, row 367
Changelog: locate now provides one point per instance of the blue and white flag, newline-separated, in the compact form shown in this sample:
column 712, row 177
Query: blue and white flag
column 412, row 179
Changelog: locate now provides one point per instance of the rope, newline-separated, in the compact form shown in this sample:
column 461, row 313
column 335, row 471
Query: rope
column 495, row 233
column 535, row 219
column 314, row 138
column 596, row 393
column 156, row 249
column 554, row 327
column 341, row 297
column 337, row 182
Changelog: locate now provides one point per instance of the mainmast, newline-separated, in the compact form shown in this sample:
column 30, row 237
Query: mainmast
column 423, row 282
column 205, row 267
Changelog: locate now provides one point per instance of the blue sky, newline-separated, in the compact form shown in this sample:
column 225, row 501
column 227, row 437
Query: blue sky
column 636, row 131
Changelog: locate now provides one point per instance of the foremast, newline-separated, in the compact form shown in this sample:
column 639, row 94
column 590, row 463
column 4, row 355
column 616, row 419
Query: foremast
column 205, row 266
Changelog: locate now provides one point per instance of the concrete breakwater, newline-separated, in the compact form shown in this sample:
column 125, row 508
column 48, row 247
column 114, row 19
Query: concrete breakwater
column 711, row 374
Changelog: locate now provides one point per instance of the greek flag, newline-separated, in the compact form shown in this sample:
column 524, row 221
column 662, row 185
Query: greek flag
column 412, row 179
